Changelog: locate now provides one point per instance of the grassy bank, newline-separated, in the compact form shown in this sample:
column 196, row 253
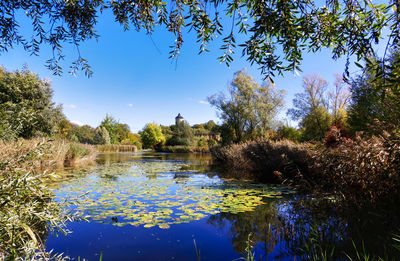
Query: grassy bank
column 27, row 212
column 116, row 148
column 53, row 153
column 184, row 149
column 362, row 170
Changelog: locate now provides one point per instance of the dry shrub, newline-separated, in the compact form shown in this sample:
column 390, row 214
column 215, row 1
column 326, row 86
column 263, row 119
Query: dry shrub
column 361, row 171
column 273, row 161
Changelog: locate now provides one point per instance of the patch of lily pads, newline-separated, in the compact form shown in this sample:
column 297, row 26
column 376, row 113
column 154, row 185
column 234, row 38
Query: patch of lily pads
column 159, row 193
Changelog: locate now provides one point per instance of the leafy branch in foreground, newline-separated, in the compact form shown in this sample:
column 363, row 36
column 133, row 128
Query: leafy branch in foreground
column 276, row 32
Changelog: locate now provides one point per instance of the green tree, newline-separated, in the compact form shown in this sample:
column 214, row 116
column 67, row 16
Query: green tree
column 182, row 135
column 84, row 134
column 102, row 136
column 275, row 33
column 152, row 135
column 110, row 123
column 26, row 107
column 376, row 95
column 122, row 132
column 316, row 124
column 288, row 132
column 250, row 109
column 64, row 128
column 311, row 108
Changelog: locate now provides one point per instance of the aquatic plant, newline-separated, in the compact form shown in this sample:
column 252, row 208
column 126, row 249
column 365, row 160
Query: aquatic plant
column 159, row 194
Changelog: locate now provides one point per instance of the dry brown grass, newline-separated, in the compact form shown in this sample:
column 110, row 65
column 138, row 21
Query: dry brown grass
column 273, row 161
column 53, row 154
column 116, row 148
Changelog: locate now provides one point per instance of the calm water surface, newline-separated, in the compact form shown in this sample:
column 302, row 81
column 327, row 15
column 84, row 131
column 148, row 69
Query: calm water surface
column 152, row 206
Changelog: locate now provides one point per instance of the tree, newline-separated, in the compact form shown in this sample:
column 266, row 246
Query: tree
column 376, row 95
column 110, row 124
column 339, row 100
column 84, row 134
column 182, row 135
column 311, row 108
column 122, row 132
column 270, row 27
column 152, row 135
column 102, row 136
column 26, row 107
column 64, row 128
column 249, row 110
column 316, row 124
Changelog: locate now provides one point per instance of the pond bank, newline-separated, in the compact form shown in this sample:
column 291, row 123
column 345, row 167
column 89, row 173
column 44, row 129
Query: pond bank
column 359, row 171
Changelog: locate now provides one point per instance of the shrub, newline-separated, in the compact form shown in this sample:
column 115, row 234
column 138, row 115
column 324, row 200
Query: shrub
column 272, row 161
column 361, row 171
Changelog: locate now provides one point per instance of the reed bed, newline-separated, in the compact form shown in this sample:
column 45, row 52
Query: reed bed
column 116, row 148
column 184, row 149
column 52, row 154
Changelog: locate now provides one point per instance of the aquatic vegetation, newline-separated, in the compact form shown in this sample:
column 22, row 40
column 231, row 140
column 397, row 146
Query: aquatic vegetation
column 160, row 193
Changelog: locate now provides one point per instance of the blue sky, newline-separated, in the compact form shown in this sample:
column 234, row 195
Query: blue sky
column 135, row 82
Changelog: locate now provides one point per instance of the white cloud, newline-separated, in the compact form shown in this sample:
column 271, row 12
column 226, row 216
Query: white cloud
column 130, row 105
column 71, row 106
column 203, row 102
column 77, row 122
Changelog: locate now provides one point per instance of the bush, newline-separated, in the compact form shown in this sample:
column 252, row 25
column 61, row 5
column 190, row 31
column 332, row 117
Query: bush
column 272, row 161
column 288, row 133
column 365, row 170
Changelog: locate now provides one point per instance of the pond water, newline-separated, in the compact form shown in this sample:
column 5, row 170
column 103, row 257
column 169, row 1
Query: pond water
column 154, row 206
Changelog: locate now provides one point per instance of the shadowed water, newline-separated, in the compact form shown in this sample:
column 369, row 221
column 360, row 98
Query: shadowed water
column 153, row 206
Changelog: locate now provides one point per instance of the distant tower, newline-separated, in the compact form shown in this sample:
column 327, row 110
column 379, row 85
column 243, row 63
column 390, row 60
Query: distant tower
column 178, row 119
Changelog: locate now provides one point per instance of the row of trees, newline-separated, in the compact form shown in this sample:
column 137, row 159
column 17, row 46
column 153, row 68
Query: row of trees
column 250, row 110
column 27, row 110
column 182, row 134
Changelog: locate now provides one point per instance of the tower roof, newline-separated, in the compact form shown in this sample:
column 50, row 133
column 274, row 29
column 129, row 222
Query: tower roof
column 179, row 117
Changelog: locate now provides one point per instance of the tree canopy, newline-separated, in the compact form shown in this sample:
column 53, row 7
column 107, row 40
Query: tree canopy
column 26, row 106
column 152, row 135
column 376, row 95
column 250, row 108
column 276, row 33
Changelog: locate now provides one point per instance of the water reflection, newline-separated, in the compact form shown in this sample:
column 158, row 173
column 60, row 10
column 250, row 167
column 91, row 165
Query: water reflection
column 141, row 202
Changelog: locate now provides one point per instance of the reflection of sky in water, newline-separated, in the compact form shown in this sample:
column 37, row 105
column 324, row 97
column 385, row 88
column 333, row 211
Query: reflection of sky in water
column 158, row 191
column 152, row 206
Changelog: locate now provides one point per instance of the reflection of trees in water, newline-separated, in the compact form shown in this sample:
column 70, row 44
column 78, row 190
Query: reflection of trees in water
column 263, row 224
column 338, row 228
column 309, row 229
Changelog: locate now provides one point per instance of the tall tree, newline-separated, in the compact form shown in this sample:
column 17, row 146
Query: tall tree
column 26, row 105
column 311, row 108
column 339, row 100
column 110, row 123
column 250, row 108
column 376, row 95
column 269, row 27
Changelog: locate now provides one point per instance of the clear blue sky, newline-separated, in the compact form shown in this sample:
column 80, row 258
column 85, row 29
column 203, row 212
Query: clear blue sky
column 135, row 82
